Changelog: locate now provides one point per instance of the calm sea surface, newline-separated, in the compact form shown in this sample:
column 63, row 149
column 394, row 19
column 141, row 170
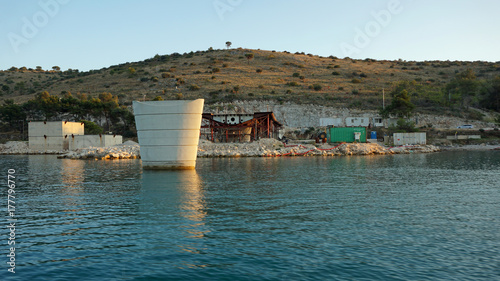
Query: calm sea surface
column 403, row 217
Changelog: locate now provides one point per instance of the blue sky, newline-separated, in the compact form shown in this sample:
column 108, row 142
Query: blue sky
column 93, row 34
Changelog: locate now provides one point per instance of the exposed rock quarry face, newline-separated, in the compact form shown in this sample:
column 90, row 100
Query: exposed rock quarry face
column 308, row 115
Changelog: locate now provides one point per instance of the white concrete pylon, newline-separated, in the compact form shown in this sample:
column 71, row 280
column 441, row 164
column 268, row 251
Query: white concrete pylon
column 168, row 133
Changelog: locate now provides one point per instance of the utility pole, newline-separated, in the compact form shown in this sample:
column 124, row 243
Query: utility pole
column 383, row 98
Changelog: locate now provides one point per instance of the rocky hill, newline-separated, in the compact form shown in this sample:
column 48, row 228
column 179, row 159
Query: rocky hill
column 243, row 74
column 300, row 88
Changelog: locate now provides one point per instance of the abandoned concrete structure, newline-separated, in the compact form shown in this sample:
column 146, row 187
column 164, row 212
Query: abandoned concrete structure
column 239, row 127
column 64, row 135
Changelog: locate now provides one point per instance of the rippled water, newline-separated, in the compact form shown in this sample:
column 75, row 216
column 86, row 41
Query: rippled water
column 403, row 217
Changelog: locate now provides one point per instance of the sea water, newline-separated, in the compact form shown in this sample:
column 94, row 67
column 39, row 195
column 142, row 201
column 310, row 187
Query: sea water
column 398, row 217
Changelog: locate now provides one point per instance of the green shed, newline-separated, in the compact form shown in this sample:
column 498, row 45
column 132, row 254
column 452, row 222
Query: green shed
column 346, row 134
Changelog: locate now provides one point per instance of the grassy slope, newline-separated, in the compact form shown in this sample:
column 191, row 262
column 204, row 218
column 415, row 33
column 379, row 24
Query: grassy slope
column 195, row 69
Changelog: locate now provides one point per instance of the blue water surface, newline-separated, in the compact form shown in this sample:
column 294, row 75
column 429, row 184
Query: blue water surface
column 402, row 217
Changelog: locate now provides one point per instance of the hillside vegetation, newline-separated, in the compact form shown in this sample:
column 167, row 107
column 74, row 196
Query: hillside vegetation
column 442, row 87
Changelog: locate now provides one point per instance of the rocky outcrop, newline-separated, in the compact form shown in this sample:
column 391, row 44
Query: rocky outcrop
column 308, row 115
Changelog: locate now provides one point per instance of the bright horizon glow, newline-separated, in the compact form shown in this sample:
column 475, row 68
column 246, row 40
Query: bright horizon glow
column 95, row 34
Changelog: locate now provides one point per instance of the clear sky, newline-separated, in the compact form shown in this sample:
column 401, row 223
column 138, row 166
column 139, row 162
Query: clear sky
column 92, row 34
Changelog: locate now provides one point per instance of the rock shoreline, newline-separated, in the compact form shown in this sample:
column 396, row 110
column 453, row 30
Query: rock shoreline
column 275, row 148
column 261, row 148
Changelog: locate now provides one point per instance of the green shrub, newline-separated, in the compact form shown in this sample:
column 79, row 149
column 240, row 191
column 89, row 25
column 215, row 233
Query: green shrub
column 335, row 73
column 91, row 128
column 194, row 88
column 317, row 87
column 258, row 70
column 356, row 80
column 296, row 74
column 293, row 84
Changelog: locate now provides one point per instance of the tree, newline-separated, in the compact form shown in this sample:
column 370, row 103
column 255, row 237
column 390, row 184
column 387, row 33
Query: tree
column 228, row 44
column 490, row 93
column 108, row 103
column 5, row 88
column 44, row 104
column 464, row 86
column 131, row 71
column 403, row 125
column 56, row 68
column 12, row 114
column 91, row 128
column 400, row 106
column 249, row 56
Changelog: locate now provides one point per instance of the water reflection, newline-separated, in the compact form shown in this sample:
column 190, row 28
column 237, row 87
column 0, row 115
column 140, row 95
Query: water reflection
column 176, row 196
column 72, row 175
column 71, row 193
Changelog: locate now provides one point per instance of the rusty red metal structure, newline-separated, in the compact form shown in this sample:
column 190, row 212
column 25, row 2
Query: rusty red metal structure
column 217, row 128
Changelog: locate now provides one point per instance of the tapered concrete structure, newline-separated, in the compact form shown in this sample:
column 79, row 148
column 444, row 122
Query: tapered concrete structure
column 168, row 133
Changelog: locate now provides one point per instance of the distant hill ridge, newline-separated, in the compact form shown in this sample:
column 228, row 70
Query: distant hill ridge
column 246, row 74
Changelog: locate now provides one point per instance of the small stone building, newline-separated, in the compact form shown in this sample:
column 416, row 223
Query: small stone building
column 53, row 135
column 64, row 135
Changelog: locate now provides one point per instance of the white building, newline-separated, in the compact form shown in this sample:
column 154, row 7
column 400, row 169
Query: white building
column 409, row 138
column 353, row 121
column 64, row 135
column 81, row 141
column 53, row 135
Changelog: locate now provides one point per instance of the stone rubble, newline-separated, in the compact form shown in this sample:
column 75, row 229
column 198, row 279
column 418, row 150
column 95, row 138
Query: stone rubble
column 261, row 148
column 126, row 150
column 275, row 148
column 21, row 147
